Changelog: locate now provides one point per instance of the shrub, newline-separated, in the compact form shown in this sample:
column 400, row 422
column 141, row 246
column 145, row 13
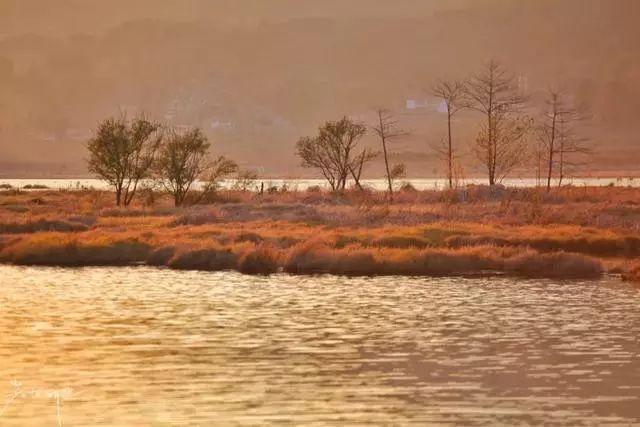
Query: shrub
column 401, row 242
column 197, row 217
column 314, row 258
column 55, row 250
column 42, row 225
column 261, row 260
column 16, row 208
column 558, row 264
column 210, row 259
column 408, row 187
column 248, row 237
column 135, row 213
column 633, row 274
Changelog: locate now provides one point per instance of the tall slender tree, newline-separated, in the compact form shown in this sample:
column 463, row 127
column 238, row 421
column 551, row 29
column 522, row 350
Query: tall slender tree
column 548, row 130
column 557, row 133
column 454, row 95
column 494, row 93
column 573, row 148
column 388, row 131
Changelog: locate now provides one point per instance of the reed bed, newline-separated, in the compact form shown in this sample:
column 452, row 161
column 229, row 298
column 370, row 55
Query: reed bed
column 571, row 232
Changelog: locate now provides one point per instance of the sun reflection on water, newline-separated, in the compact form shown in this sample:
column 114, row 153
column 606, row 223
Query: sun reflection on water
column 140, row 346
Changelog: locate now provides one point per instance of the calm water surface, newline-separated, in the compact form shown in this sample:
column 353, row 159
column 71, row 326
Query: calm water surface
column 145, row 347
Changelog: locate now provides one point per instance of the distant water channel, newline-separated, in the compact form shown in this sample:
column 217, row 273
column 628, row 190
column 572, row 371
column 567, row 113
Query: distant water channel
column 154, row 347
column 303, row 184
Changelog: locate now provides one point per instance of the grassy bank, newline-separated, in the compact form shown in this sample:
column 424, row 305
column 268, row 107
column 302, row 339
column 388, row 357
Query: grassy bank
column 572, row 232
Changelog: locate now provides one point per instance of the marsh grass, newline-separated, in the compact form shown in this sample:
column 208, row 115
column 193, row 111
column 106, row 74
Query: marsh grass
column 517, row 232
column 72, row 225
column 57, row 249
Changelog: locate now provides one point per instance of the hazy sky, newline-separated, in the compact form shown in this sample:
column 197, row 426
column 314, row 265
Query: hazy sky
column 256, row 73
column 69, row 16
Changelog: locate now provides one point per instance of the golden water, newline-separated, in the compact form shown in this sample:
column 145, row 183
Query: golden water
column 145, row 347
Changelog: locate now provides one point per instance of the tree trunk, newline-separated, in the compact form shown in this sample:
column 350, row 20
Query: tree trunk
column 490, row 114
column 128, row 196
column 356, row 176
column 561, row 165
column 386, row 163
column 551, row 152
column 450, row 152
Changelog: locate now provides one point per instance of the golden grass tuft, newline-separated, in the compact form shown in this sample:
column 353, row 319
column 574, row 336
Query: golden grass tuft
column 263, row 260
column 317, row 258
column 206, row 259
column 633, row 274
column 558, row 264
column 197, row 217
column 42, row 225
column 56, row 249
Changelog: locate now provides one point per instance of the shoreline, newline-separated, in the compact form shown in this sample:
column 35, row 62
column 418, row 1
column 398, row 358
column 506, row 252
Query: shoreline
column 265, row 261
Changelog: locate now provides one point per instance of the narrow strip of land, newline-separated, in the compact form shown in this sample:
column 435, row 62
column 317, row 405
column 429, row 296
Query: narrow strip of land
column 571, row 232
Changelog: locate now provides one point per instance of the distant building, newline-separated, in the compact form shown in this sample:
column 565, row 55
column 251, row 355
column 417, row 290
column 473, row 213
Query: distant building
column 217, row 124
column 415, row 104
column 431, row 103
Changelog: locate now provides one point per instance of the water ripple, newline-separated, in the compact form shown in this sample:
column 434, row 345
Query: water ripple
column 142, row 347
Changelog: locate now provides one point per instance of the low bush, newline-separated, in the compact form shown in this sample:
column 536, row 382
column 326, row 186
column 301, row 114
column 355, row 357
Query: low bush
column 35, row 187
column 56, row 250
column 198, row 216
column 208, row 259
column 42, row 225
column 312, row 258
column 633, row 274
column 261, row 260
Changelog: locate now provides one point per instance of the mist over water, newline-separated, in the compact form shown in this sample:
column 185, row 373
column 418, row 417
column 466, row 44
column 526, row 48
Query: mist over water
column 304, row 184
column 139, row 346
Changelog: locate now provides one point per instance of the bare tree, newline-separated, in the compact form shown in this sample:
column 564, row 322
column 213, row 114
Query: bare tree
column 557, row 134
column 573, row 149
column 357, row 166
column 502, row 146
column 217, row 171
column 454, row 95
column 388, row 131
column 181, row 161
column 334, row 152
column 548, row 131
column 495, row 94
column 122, row 153
column 316, row 153
column 245, row 179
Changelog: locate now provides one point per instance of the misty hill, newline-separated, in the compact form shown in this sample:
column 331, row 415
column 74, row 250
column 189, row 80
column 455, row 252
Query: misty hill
column 256, row 78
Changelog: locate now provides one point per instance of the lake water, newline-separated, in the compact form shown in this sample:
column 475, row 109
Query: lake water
column 302, row 184
column 153, row 347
